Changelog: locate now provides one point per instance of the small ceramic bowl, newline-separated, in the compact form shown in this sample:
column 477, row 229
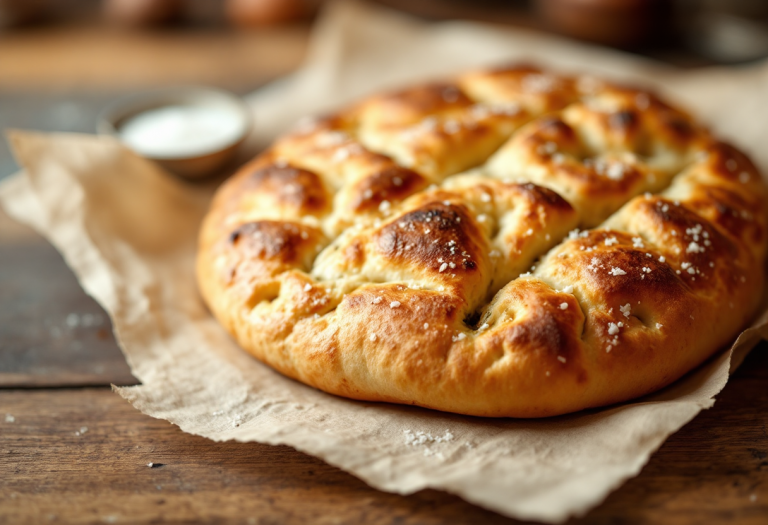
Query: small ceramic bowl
column 190, row 163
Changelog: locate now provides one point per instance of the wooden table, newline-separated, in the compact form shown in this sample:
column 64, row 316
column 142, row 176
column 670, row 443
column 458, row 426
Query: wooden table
column 72, row 451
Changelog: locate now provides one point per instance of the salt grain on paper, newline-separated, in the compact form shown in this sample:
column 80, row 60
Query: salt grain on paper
column 9, row 418
column 419, row 439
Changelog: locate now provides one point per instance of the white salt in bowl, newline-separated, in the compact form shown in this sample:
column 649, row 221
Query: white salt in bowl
column 191, row 131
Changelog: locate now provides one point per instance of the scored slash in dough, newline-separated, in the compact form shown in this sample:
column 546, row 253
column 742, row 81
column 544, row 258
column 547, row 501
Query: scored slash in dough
column 509, row 242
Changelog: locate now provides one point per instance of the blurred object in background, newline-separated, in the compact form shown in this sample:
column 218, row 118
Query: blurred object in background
column 142, row 12
column 618, row 23
column 727, row 31
column 254, row 13
column 17, row 12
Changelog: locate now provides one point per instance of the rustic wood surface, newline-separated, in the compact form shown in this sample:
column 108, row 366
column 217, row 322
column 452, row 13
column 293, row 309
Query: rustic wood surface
column 73, row 451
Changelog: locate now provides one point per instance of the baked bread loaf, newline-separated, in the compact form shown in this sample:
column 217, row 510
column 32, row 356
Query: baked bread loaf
column 507, row 243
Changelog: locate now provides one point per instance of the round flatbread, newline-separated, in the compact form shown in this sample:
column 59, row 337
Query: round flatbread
column 506, row 243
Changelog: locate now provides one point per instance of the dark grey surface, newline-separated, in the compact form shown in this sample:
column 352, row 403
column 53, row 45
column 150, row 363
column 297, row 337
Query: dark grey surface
column 75, row 112
column 51, row 332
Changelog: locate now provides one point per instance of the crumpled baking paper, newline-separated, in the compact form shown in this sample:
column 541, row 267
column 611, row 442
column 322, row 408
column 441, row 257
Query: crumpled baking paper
column 128, row 231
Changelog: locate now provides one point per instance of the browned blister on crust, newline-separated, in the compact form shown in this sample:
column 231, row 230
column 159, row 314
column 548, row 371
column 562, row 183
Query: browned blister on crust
column 423, row 246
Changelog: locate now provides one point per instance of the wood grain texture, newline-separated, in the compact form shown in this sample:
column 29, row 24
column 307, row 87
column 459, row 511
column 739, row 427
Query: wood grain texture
column 51, row 332
column 97, row 57
column 715, row 470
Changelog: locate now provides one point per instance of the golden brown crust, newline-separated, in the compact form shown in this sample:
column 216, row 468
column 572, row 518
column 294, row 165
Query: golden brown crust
column 355, row 258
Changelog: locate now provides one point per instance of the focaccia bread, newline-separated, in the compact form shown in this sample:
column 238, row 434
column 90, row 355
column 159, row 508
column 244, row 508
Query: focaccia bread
column 506, row 243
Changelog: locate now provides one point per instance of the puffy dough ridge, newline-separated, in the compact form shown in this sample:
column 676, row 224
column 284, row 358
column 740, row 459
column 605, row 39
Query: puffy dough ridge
column 510, row 242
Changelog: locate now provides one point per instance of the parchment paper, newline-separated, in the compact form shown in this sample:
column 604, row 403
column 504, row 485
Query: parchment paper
column 128, row 231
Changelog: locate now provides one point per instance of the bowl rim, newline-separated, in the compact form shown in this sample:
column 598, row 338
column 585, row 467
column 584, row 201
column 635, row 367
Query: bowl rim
column 117, row 111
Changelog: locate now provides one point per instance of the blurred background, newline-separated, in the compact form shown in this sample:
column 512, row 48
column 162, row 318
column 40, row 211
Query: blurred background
column 63, row 61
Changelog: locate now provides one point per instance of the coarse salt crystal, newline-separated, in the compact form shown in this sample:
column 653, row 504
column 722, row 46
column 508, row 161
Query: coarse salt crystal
column 394, row 304
column 626, row 310
column 617, row 271
column 616, row 171
column 563, row 306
